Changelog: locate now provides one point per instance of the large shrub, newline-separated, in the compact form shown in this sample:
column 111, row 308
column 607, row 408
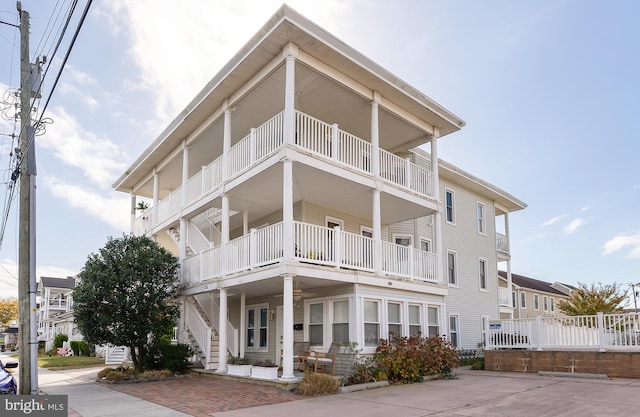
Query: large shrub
column 59, row 340
column 314, row 384
column 167, row 356
column 409, row 359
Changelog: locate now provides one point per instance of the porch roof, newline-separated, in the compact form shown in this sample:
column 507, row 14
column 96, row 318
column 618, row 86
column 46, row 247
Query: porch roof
column 286, row 26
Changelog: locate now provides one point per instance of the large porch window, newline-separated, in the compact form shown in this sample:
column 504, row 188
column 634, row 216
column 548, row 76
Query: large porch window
column 433, row 322
column 371, row 323
column 316, row 324
column 341, row 321
column 415, row 324
column 393, row 318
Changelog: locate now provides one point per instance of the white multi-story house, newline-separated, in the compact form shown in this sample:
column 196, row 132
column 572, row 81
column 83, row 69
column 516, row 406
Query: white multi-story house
column 292, row 190
column 55, row 310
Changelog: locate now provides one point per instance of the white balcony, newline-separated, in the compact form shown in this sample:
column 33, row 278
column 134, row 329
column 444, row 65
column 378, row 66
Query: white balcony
column 504, row 297
column 502, row 244
column 324, row 141
column 312, row 245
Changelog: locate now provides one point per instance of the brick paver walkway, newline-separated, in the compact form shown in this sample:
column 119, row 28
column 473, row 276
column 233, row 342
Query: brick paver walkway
column 201, row 395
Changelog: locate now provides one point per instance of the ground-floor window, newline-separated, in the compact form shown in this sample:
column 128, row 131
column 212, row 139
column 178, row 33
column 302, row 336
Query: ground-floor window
column 371, row 323
column 415, row 324
column 341, row 321
column 257, row 327
column 433, row 322
column 394, row 322
column 316, row 324
column 454, row 325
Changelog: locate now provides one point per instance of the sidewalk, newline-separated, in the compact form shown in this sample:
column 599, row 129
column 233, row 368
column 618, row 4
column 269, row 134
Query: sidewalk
column 473, row 393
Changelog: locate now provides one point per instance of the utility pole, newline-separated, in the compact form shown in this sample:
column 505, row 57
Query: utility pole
column 28, row 369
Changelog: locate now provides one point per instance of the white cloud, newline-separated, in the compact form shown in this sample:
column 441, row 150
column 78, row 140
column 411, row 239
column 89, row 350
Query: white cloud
column 622, row 242
column 99, row 158
column 574, row 226
column 114, row 211
column 175, row 64
column 553, row 220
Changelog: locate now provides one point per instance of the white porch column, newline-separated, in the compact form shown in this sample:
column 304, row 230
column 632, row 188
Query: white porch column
column 183, row 239
column 226, row 140
column 377, row 232
column 287, row 209
column 245, row 222
column 156, row 197
column 287, row 328
column 133, row 210
column 437, row 218
column 243, row 320
column 222, row 333
column 290, row 53
column 185, row 173
column 506, row 231
column 375, row 135
column 224, row 238
column 510, row 286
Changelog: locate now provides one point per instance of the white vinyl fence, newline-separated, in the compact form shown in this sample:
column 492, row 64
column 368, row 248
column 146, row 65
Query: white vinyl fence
column 602, row 331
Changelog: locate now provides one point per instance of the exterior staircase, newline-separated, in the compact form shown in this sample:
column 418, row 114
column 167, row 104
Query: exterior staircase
column 195, row 333
column 210, row 362
column 175, row 235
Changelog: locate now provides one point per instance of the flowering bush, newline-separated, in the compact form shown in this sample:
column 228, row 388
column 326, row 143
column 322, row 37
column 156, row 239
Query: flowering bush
column 408, row 359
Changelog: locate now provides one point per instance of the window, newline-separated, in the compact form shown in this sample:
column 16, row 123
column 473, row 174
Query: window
column 545, row 305
column 402, row 240
column 341, row 321
column 552, row 304
column 449, row 209
column 514, row 300
column 535, row 302
column 367, row 246
column 451, row 268
column 371, row 323
column 481, row 219
column 523, row 300
column 257, row 327
column 316, row 321
column 453, row 330
column 482, row 270
column 432, row 321
column 393, row 317
column 425, row 245
column 415, row 327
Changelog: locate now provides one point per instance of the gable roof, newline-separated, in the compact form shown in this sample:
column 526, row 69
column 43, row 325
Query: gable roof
column 531, row 283
column 50, row 282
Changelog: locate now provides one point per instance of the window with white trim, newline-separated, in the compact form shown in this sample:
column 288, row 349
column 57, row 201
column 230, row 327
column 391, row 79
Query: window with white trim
column 449, row 208
column 523, row 300
column 536, row 302
column 482, row 271
column 452, row 273
column 514, row 299
column 415, row 324
column 454, row 325
column 257, row 327
column 545, row 303
column 432, row 322
column 367, row 246
column 341, row 321
column 425, row 245
column 316, row 324
column 393, row 319
column 481, row 219
column 371, row 323
column 552, row 304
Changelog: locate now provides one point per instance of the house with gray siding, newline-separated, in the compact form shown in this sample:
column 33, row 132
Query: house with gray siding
column 302, row 191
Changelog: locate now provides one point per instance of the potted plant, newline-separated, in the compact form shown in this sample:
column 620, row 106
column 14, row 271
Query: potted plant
column 265, row 369
column 238, row 366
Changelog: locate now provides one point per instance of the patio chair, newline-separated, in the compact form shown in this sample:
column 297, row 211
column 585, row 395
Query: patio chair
column 322, row 361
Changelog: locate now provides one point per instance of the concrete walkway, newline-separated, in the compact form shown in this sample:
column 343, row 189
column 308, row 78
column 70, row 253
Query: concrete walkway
column 473, row 393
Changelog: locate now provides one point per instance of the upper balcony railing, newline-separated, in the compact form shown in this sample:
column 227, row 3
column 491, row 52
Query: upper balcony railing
column 322, row 139
column 312, row 244
column 504, row 297
column 502, row 243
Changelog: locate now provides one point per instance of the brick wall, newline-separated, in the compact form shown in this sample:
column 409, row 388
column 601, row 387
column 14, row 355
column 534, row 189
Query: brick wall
column 613, row 364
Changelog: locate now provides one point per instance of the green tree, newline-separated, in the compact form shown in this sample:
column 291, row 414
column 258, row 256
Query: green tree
column 127, row 294
column 8, row 311
column 593, row 299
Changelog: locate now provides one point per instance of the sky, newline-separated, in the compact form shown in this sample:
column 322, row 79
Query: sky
column 548, row 90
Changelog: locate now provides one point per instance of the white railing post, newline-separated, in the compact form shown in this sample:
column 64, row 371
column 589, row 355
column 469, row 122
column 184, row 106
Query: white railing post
column 334, row 141
column 253, row 250
column 337, row 246
column 407, row 177
column 539, row 332
column 601, row 341
column 252, row 146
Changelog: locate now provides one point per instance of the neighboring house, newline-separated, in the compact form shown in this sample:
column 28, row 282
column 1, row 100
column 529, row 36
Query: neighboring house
column 532, row 297
column 294, row 193
column 55, row 310
column 9, row 339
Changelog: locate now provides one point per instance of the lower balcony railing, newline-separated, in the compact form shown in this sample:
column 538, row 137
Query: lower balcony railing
column 312, row 244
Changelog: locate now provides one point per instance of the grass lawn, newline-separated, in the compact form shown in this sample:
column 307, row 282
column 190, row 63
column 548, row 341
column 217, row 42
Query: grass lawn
column 56, row 363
